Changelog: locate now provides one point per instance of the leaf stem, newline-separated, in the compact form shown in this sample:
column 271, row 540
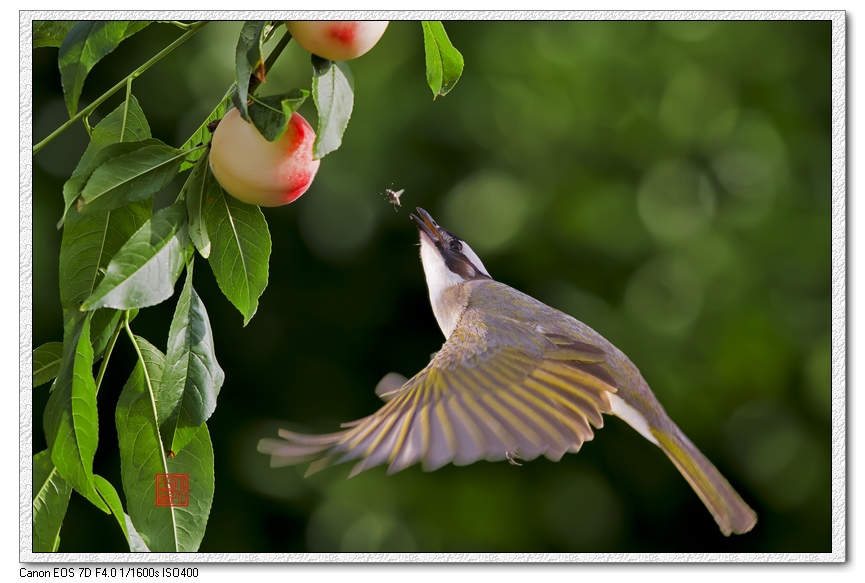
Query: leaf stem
column 196, row 148
column 143, row 365
column 177, row 23
column 271, row 59
column 126, row 109
column 107, row 354
column 193, row 28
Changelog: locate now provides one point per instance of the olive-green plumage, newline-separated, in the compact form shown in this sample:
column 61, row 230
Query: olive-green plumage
column 515, row 379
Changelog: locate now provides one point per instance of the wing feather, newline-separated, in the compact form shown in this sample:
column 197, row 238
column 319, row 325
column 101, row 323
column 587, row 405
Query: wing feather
column 579, row 421
column 442, row 445
column 497, row 440
column 471, row 442
column 563, row 436
column 491, row 392
column 407, row 450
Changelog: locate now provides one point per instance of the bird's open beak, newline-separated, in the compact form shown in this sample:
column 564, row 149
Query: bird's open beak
column 427, row 225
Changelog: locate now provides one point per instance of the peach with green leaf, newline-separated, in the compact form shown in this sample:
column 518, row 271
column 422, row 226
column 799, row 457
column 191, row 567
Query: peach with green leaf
column 256, row 171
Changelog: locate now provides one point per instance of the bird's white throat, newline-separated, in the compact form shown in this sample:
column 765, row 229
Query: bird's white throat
column 438, row 279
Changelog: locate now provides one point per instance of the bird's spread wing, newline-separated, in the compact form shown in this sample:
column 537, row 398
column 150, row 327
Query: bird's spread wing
column 491, row 392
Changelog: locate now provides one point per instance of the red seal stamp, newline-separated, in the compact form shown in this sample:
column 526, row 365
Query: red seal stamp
column 172, row 489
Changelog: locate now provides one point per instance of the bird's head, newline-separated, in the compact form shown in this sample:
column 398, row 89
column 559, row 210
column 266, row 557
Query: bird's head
column 446, row 258
column 447, row 261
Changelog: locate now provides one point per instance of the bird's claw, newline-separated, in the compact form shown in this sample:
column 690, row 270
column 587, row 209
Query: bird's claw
column 512, row 458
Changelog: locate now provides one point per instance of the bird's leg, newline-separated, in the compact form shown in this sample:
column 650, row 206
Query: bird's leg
column 512, row 458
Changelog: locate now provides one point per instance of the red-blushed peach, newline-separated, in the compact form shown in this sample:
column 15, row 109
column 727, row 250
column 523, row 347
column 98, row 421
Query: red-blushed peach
column 337, row 40
column 256, row 171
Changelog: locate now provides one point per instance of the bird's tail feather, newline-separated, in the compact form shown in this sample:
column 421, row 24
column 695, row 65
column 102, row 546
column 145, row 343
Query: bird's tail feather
column 731, row 513
column 297, row 448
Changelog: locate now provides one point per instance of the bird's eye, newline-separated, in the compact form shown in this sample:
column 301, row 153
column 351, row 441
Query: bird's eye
column 455, row 245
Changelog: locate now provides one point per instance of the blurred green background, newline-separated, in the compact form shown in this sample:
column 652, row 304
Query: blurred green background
column 668, row 183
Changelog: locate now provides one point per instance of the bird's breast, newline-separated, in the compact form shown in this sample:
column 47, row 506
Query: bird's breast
column 448, row 306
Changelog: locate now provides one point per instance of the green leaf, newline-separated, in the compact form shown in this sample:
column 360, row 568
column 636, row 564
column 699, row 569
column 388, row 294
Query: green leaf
column 91, row 240
column 125, row 124
column 270, row 114
column 50, row 33
column 70, row 420
column 248, row 62
column 132, row 176
column 84, row 46
column 73, row 187
column 50, row 500
column 163, row 529
column 109, row 494
column 192, row 377
column 198, row 188
column 89, row 243
column 136, row 543
column 444, row 64
column 333, row 93
column 239, row 251
column 202, row 134
column 143, row 271
column 103, row 323
column 46, row 362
